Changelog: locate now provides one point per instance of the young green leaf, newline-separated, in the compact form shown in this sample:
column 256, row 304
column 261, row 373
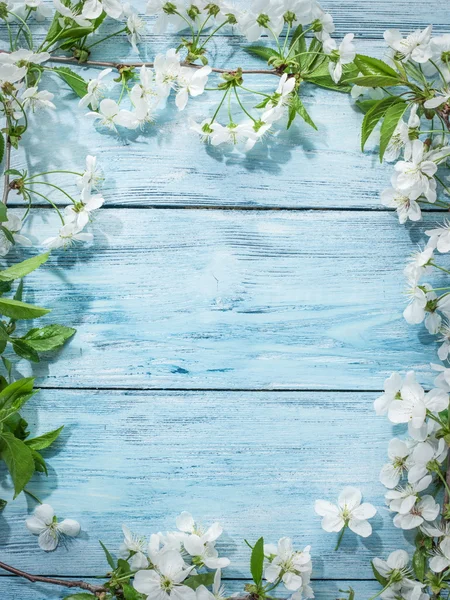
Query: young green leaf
column 373, row 81
column 25, row 351
column 15, row 309
column 3, row 504
column 73, row 80
column 325, row 81
column 202, row 579
column 45, row 440
column 49, row 337
column 393, row 115
column 129, row 593
column 109, row 558
column 15, row 392
column 23, row 268
column 373, row 116
column 297, row 107
column 374, row 66
column 19, row 460
column 298, row 44
column 315, row 58
column 257, row 561
column 261, row 52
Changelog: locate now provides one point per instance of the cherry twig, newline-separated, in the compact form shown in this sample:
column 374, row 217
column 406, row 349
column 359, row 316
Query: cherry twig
column 82, row 585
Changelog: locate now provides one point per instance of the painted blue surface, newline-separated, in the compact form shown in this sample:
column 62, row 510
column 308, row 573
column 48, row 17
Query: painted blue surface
column 191, row 307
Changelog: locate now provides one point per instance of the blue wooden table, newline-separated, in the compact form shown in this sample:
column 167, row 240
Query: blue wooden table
column 236, row 318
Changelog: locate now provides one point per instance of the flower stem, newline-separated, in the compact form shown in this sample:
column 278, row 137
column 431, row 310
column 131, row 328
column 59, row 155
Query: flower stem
column 341, row 535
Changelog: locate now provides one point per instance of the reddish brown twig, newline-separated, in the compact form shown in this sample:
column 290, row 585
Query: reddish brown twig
column 82, row 585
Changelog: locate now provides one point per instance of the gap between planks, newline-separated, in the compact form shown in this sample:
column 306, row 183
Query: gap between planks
column 184, row 389
column 9, row 576
column 229, row 207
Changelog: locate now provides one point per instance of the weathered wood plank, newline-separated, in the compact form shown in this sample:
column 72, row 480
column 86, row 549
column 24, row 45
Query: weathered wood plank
column 256, row 461
column 232, row 299
column 169, row 165
column 324, row 590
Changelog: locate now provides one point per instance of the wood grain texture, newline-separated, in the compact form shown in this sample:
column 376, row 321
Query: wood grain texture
column 325, row 590
column 167, row 165
column 254, row 461
column 232, row 299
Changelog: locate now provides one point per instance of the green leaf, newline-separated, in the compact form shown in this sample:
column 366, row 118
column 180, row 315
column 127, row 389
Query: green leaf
column 18, row 459
column 257, row 561
column 45, row 440
column 391, row 119
column 73, row 80
column 7, row 364
column 54, row 28
column 16, row 425
column 296, row 107
column 382, row 580
column 298, row 44
column 261, row 52
column 365, row 105
column 49, row 337
column 21, row 310
column 373, row 81
column 14, row 172
column 315, row 58
column 123, row 567
column 2, row 147
column 23, row 268
column 25, row 351
column 373, row 116
column 129, row 593
column 39, row 462
column 3, row 504
column 374, row 66
column 109, row 558
column 325, row 81
column 419, row 563
column 82, row 596
column 75, row 33
column 3, row 212
column 196, row 580
column 19, row 292
column 15, row 392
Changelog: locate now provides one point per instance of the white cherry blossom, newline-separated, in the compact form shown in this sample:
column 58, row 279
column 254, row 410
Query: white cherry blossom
column 166, row 582
column 95, row 90
column 339, row 56
column 50, row 531
column 415, row 46
column 69, row 235
column 348, row 512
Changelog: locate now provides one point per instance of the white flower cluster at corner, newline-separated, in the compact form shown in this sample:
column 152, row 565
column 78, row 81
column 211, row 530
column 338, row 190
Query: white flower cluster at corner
column 414, row 463
column 49, row 530
column 78, row 215
column 162, row 564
